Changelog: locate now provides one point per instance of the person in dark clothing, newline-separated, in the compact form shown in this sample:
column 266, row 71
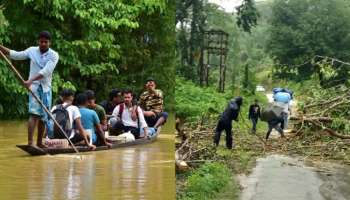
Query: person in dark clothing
column 275, row 124
column 254, row 114
column 115, row 98
column 225, row 122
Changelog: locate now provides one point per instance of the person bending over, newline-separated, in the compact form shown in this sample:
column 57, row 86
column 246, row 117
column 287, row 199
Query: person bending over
column 225, row 122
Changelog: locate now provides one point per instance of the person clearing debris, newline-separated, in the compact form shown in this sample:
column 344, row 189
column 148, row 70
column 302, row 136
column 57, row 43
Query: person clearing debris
column 225, row 122
column 277, row 113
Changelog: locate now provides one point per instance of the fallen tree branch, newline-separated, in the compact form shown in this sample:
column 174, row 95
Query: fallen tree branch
column 328, row 130
column 179, row 158
column 323, row 103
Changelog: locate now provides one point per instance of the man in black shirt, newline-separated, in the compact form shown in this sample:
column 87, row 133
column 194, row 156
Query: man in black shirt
column 254, row 114
column 115, row 98
column 225, row 122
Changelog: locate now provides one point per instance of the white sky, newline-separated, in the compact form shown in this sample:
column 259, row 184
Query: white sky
column 229, row 5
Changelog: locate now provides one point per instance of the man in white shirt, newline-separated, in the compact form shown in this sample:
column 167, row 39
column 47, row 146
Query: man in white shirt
column 123, row 113
column 77, row 133
column 43, row 61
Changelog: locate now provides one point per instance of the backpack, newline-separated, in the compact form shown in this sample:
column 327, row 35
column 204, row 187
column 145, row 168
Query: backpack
column 289, row 91
column 121, row 110
column 283, row 97
column 271, row 112
column 61, row 115
column 276, row 90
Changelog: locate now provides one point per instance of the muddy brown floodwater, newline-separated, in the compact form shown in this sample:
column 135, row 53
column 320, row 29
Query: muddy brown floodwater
column 138, row 172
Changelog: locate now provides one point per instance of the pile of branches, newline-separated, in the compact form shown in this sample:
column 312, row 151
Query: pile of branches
column 327, row 111
column 194, row 145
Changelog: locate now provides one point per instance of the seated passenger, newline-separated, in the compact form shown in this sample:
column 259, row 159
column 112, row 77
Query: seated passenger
column 76, row 132
column 152, row 103
column 90, row 121
column 97, row 108
column 115, row 98
column 123, row 117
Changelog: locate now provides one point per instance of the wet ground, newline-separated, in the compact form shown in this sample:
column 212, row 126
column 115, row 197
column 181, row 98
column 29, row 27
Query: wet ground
column 278, row 177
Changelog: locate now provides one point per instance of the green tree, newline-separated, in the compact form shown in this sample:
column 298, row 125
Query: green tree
column 247, row 15
column 191, row 17
column 102, row 44
column 300, row 30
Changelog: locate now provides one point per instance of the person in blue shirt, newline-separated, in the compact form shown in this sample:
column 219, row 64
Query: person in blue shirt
column 43, row 61
column 90, row 121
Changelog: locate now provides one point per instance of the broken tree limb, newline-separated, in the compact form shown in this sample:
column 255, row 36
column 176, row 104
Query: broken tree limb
column 179, row 158
column 316, row 121
column 180, row 164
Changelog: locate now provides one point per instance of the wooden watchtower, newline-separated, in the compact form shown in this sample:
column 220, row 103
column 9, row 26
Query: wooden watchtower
column 215, row 42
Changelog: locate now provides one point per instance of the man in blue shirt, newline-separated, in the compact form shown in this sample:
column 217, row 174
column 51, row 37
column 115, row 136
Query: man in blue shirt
column 90, row 121
column 43, row 61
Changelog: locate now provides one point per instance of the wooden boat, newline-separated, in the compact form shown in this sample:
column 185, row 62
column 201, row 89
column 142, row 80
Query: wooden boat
column 36, row 151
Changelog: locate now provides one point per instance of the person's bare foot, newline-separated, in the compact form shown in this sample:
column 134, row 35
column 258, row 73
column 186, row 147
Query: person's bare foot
column 109, row 145
column 92, row 147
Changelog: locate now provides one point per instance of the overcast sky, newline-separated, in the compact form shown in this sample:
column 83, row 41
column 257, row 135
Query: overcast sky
column 228, row 5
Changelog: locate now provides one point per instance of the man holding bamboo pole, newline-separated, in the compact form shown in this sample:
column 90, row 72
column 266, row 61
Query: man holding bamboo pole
column 43, row 61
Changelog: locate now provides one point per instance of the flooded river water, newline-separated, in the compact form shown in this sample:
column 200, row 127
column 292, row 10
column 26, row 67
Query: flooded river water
column 137, row 172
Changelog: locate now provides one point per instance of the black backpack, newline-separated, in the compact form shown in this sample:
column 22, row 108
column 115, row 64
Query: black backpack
column 61, row 115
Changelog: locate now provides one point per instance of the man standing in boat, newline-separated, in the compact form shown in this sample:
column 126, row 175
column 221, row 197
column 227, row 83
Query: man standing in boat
column 43, row 61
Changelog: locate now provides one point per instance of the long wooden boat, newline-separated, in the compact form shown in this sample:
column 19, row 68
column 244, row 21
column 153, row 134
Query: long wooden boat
column 36, row 151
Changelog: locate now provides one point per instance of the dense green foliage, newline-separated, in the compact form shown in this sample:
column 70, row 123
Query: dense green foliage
column 283, row 43
column 193, row 102
column 247, row 15
column 190, row 18
column 206, row 182
column 300, row 30
column 246, row 52
column 102, row 45
column 246, row 58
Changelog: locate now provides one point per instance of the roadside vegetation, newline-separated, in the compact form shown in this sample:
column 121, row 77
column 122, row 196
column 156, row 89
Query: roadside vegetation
column 308, row 53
